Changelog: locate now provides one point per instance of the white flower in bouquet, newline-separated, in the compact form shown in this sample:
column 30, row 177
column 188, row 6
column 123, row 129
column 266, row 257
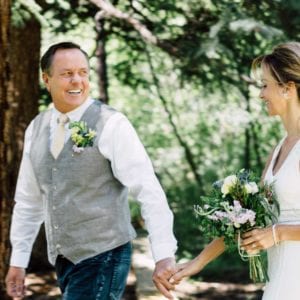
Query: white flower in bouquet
column 228, row 183
column 251, row 188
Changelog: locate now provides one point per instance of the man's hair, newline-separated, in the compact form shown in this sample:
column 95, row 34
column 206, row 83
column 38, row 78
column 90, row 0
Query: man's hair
column 47, row 58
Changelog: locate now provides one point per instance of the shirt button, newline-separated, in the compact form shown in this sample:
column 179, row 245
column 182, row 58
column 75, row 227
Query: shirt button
column 55, row 226
column 54, row 207
column 54, row 169
column 58, row 246
column 54, row 187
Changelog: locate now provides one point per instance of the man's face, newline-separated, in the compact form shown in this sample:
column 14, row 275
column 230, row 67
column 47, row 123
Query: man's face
column 68, row 79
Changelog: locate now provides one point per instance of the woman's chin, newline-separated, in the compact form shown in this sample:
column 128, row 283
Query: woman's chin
column 272, row 113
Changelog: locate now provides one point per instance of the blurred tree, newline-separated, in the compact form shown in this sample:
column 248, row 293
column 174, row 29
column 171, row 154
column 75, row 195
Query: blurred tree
column 5, row 140
column 164, row 51
column 19, row 103
column 180, row 70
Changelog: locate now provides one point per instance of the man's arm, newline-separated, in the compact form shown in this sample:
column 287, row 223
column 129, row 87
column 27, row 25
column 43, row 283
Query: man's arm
column 131, row 165
column 26, row 220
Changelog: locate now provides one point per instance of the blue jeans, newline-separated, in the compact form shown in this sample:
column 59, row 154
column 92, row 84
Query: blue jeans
column 102, row 277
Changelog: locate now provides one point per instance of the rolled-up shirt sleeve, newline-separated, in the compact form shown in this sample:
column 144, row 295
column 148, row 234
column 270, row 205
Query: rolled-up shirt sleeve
column 28, row 214
column 131, row 165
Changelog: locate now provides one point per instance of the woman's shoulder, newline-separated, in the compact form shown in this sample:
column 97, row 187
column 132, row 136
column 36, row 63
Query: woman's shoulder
column 297, row 148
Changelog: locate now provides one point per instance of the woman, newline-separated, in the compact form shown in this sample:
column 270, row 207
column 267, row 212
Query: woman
column 281, row 93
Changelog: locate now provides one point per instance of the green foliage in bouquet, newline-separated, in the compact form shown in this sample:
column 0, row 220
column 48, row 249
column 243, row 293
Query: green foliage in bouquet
column 237, row 204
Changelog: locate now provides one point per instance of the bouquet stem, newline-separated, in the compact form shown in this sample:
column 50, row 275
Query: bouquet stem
column 257, row 269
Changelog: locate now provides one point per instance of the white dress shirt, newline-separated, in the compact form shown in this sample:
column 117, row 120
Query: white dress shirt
column 130, row 165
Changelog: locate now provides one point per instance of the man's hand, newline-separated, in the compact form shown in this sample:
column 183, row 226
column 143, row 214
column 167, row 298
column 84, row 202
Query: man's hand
column 14, row 280
column 164, row 269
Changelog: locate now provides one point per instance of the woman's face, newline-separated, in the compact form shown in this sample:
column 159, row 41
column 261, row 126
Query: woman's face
column 273, row 94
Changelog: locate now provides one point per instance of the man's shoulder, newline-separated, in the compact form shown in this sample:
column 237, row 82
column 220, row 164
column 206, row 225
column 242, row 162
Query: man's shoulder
column 42, row 117
column 104, row 107
column 44, row 113
column 104, row 110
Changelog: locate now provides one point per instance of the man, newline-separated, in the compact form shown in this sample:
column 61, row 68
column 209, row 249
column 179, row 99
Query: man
column 76, row 181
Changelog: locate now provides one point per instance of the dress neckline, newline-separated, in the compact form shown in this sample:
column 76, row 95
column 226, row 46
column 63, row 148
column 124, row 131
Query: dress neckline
column 277, row 152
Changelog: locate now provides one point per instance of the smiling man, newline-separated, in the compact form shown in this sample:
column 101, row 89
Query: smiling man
column 80, row 160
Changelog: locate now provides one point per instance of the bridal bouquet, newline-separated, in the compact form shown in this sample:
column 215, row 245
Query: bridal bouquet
column 237, row 204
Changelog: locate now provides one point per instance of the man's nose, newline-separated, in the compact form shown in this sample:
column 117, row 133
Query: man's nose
column 75, row 78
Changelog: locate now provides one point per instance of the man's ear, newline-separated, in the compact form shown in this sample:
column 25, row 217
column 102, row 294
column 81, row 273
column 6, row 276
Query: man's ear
column 45, row 77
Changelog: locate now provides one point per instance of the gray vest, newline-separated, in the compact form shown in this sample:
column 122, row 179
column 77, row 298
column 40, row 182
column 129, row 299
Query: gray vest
column 86, row 207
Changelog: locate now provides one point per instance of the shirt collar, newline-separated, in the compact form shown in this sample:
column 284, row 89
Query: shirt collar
column 75, row 114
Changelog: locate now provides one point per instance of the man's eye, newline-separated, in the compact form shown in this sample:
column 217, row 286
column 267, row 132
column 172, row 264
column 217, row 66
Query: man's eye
column 84, row 73
column 67, row 74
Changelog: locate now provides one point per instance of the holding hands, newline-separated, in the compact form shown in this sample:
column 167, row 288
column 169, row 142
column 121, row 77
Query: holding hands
column 167, row 274
column 164, row 269
column 185, row 270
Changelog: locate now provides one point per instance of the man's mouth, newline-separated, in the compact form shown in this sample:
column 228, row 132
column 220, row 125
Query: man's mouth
column 74, row 92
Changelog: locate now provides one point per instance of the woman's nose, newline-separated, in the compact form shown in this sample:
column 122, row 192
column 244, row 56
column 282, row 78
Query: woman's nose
column 261, row 95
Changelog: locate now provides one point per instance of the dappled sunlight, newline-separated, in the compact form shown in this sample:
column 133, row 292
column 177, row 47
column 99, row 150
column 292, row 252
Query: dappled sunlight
column 42, row 286
column 218, row 290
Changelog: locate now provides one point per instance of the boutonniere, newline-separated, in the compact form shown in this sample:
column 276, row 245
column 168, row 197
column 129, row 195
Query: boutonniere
column 81, row 135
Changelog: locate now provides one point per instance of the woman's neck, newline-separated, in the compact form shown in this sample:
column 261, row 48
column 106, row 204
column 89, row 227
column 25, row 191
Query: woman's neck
column 291, row 122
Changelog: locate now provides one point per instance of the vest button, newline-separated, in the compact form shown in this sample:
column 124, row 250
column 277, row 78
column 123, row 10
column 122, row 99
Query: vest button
column 58, row 246
column 54, row 187
column 54, row 169
column 55, row 226
column 54, row 207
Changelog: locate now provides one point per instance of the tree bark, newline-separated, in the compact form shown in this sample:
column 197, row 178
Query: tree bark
column 5, row 151
column 19, row 93
column 101, row 55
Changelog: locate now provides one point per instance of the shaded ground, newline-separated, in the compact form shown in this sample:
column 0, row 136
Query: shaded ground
column 219, row 290
column 42, row 286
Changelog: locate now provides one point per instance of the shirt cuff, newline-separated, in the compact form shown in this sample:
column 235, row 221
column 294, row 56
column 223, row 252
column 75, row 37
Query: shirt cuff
column 163, row 251
column 20, row 259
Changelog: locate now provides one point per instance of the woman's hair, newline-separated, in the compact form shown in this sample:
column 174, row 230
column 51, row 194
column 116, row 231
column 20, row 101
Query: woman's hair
column 283, row 63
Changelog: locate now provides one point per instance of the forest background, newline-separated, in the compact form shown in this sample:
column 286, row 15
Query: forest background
column 179, row 70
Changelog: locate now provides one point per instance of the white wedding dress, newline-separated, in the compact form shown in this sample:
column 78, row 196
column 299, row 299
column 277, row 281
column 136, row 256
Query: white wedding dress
column 284, row 259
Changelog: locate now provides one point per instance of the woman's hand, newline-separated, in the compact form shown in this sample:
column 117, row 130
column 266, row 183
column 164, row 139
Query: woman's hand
column 257, row 239
column 185, row 270
column 209, row 253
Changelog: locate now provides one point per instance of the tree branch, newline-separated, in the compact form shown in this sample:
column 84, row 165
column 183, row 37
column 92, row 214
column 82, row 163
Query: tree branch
column 188, row 153
column 111, row 11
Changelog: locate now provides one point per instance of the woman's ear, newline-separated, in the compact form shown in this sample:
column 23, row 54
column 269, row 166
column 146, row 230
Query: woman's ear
column 289, row 90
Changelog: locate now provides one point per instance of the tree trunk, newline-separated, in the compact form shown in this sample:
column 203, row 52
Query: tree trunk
column 19, row 92
column 5, row 147
column 101, row 55
column 26, row 42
